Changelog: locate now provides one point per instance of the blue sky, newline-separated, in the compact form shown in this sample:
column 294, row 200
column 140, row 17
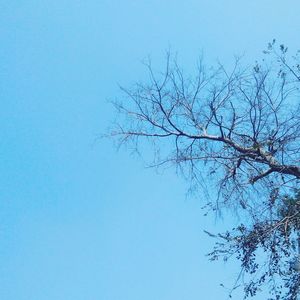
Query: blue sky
column 79, row 220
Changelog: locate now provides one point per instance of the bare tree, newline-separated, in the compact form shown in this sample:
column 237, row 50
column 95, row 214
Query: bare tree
column 239, row 133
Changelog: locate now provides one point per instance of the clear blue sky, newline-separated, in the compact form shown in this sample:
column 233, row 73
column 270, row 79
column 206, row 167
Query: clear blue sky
column 78, row 220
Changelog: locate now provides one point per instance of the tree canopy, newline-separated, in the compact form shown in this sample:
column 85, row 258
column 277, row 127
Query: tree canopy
column 238, row 132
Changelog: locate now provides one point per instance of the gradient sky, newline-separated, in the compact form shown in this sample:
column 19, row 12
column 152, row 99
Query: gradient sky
column 79, row 220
